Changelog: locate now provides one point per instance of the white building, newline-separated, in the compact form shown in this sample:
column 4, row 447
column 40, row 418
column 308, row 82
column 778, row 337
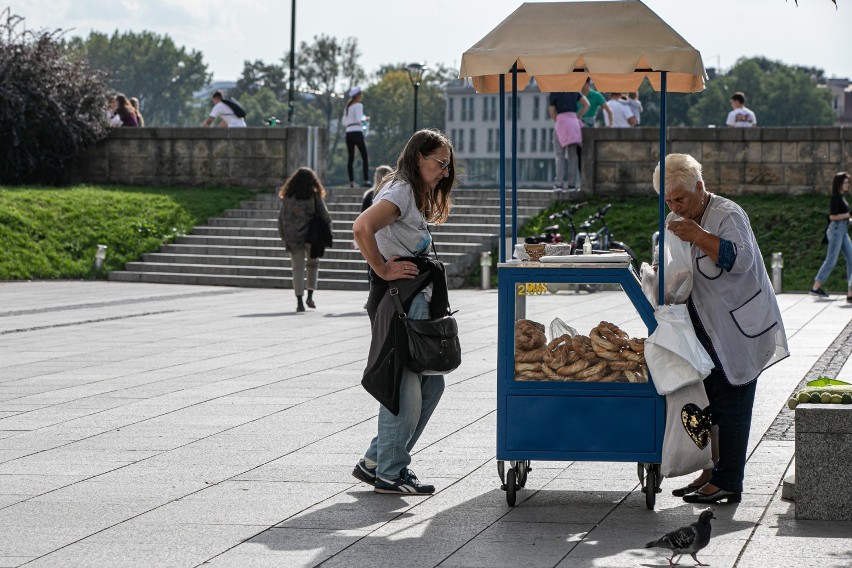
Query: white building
column 472, row 123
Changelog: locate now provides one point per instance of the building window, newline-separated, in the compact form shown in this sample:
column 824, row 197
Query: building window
column 485, row 108
column 522, row 145
column 464, row 109
column 534, row 139
column 536, row 109
column 460, row 145
column 470, row 106
column 472, row 147
column 490, row 145
column 453, row 135
column 452, row 110
column 494, row 108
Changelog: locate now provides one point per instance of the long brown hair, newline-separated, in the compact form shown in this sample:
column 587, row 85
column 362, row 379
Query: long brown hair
column 435, row 205
column 837, row 182
column 303, row 184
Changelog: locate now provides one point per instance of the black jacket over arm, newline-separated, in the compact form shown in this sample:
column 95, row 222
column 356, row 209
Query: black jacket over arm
column 389, row 347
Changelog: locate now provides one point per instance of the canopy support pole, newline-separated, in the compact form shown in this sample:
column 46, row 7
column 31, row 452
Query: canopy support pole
column 502, row 168
column 514, row 155
column 662, row 227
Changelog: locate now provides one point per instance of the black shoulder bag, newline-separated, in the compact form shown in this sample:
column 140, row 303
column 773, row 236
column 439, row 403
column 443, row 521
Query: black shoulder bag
column 433, row 344
column 319, row 233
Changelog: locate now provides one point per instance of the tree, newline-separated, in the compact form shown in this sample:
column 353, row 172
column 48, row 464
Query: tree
column 258, row 75
column 779, row 94
column 50, row 106
column 150, row 67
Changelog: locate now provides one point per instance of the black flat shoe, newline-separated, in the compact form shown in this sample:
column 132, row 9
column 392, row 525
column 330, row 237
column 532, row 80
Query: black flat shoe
column 715, row 497
column 686, row 490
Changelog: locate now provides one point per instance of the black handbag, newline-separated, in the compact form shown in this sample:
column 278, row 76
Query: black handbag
column 433, row 344
column 319, row 233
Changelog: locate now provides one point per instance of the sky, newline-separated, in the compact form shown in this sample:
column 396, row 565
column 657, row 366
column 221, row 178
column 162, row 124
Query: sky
column 229, row 32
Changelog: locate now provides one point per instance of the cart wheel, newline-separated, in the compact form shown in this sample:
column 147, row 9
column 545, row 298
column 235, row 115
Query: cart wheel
column 510, row 487
column 651, row 487
column 523, row 469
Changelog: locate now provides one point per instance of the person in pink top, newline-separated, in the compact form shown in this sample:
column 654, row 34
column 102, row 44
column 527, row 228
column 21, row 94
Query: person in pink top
column 567, row 134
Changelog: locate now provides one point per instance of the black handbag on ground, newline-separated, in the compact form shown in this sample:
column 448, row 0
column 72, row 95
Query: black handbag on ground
column 319, row 233
column 433, row 344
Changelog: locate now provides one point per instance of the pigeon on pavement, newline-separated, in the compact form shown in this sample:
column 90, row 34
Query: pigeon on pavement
column 686, row 540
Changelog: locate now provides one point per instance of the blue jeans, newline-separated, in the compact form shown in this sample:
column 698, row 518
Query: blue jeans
column 730, row 410
column 838, row 240
column 418, row 397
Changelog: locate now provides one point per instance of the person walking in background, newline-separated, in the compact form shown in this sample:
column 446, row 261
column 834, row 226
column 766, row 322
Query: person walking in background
column 353, row 117
column 567, row 133
column 837, row 233
column 394, row 238
column 635, row 106
column 134, row 102
column 735, row 315
column 123, row 113
column 621, row 116
column 378, row 176
column 302, row 197
column 223, row 112
column 740, row 116
column 596, row 101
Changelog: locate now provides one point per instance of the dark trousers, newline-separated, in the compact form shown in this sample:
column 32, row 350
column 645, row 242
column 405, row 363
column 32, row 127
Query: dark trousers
column 354, row 139
column 730, row 410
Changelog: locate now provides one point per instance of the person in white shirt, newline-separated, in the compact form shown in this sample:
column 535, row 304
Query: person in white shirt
column 622, row 116
column 224, row 113
column 740, row 117
column 354, row 119
column 635, row 106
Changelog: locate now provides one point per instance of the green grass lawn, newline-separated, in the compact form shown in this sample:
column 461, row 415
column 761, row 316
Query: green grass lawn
column 792, row 225
column 53, row 233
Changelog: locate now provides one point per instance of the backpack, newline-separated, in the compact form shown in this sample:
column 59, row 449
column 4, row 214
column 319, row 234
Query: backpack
column 238, row 109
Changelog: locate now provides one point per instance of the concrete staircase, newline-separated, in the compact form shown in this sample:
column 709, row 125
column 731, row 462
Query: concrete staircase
column 242, row 247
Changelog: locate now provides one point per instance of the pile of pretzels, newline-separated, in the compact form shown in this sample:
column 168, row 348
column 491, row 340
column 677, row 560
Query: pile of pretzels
column 607, row 354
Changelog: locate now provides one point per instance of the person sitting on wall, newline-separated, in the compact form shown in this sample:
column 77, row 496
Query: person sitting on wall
column 224, row 113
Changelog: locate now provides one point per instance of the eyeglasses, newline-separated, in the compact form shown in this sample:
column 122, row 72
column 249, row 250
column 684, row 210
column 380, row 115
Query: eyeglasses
column 445, row 166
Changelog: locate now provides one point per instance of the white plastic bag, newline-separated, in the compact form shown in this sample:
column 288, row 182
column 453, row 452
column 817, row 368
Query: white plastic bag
column 648, row 277
column 677, row 257
column 558, row 328
column 686, row 440
column 674, row 355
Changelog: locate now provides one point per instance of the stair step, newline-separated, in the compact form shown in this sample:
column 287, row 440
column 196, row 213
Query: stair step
column 242, row 247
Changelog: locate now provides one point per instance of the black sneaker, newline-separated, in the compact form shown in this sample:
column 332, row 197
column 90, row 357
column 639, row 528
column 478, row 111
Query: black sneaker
column 406, row 484
column 819, row 292
column 364, row 473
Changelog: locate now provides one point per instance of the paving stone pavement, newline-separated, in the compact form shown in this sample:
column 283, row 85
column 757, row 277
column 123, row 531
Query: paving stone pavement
column 156, row 425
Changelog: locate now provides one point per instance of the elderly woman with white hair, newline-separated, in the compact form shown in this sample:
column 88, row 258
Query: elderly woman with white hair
column 735, row 315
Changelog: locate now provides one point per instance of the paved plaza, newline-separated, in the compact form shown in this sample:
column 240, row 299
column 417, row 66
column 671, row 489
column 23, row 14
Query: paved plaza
column 155, row 425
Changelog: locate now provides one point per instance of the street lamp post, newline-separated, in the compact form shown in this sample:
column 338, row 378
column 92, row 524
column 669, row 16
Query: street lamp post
column 415, row 74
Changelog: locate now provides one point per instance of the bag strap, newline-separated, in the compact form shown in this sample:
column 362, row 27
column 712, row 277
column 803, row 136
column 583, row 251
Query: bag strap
column 394, row 292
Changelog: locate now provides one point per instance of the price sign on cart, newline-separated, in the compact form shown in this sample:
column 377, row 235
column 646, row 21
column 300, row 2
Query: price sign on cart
column 531, row 289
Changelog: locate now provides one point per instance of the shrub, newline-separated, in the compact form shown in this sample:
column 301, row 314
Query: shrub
column 51, row 106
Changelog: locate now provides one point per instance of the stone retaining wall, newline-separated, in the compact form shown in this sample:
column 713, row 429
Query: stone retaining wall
column 259, row 158
column 735, row 160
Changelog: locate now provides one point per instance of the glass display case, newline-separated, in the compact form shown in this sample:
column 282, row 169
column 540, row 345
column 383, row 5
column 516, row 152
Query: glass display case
column 573, row 385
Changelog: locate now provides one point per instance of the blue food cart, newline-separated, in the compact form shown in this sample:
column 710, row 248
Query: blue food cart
column 618, row 44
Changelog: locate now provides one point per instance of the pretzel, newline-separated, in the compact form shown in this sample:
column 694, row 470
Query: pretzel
column 573, row 368
column 551, row 374
column 521, row 367
column 612, row 334
column 614, row 377
column 637, row 344
column 583, row 347
column 599, row 342
column 631, row 355
column 530, row 376
column 635, row 377
column 559, row 353
column 607, row 354
column 590, row 372
column 533, row 356
column 624, row 365
column 529, row 335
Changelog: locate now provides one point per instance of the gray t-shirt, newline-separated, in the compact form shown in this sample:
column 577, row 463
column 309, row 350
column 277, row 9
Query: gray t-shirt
column 408, row 235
